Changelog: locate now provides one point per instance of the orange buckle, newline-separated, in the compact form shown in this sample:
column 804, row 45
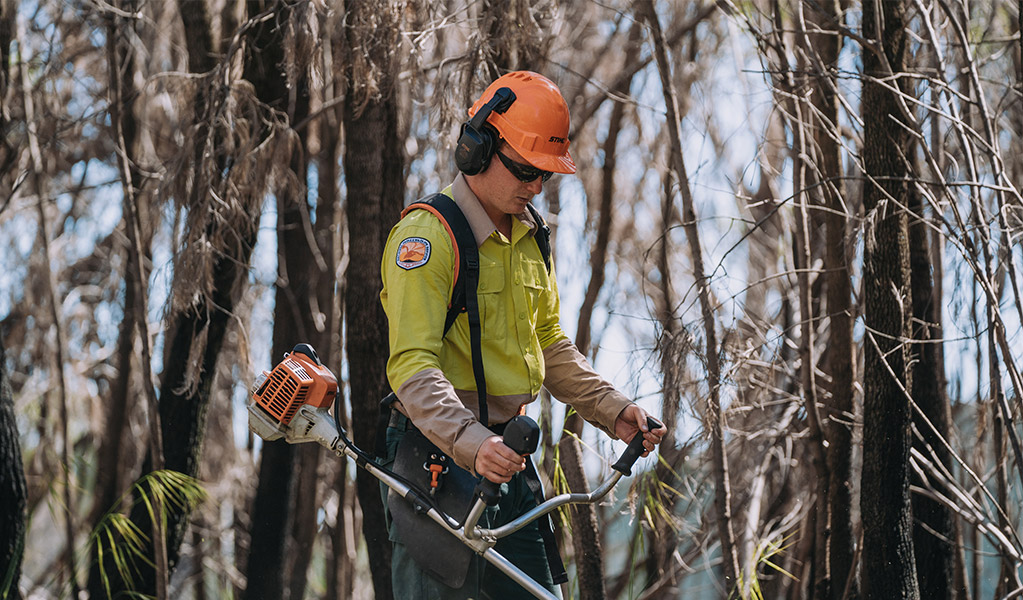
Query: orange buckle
column 436, row 467
column 435, row 472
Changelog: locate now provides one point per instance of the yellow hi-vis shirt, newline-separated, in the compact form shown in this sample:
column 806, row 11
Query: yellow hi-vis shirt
column 432, row 374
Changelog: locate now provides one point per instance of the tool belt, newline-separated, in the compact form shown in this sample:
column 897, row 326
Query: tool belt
column 419, row 461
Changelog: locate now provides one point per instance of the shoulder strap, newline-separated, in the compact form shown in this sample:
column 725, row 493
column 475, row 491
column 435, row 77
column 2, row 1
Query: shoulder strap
column 462, row 240
column 542, row 235
column 467, row 274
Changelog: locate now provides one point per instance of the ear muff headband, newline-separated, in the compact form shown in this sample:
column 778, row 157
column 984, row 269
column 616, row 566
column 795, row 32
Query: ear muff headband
column 477, row 141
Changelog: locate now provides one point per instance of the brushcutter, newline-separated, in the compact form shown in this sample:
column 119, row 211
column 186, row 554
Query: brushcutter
column 292, row 402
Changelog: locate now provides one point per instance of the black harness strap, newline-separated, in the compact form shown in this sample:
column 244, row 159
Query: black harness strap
column 472, row 308
column 467, row 279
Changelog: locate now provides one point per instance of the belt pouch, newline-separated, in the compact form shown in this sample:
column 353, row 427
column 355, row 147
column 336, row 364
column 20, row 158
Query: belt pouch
column 435, row 550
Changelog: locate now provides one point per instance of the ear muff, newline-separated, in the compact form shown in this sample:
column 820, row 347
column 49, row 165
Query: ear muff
column 477, row 141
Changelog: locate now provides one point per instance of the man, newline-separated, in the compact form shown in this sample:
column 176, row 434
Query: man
column 505, row 155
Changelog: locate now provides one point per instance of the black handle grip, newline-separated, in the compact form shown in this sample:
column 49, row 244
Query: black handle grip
column 522, row 435
column 488, row 491
column 635, row 449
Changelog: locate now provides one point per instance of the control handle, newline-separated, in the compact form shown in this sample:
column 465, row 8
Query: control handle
column 522, row 435
column 635, row 449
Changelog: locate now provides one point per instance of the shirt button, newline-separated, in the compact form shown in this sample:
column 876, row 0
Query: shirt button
column 522, row 316
column 516, row 279
column 483, row 285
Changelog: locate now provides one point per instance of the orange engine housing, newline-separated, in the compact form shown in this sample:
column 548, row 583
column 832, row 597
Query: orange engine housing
column 297, row 380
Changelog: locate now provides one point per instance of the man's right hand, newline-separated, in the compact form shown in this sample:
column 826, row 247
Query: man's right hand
column 497, row 462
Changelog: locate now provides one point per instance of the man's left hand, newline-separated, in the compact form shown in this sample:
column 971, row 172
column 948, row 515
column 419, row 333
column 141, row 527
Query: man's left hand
column 632, row 420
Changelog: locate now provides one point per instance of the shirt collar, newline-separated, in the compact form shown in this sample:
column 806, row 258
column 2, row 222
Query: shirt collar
column 479, row 221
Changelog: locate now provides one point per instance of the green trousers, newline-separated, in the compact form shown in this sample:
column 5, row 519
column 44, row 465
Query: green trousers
column 524, row 549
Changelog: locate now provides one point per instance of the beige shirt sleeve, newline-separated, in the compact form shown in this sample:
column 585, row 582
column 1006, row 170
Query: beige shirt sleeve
column 430, row 401
column 571, row 379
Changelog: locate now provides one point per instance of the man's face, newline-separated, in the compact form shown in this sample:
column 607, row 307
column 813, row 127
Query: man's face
column 501, row 190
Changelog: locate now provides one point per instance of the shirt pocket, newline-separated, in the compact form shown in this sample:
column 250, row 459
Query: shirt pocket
column 534, row 282
column 493, row 301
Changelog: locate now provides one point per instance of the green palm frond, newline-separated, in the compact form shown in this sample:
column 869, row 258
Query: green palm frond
column 766, row 550
column 119, row 543
column 171, row 489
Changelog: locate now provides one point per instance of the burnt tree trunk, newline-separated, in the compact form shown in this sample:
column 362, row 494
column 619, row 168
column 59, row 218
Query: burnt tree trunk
column 934, row 531
column 713, row 417
column 196, row 331
column 374, row 170
column 271, row 520
column 585, row 531
column 372, row 207
column 888, row 559
column 826, row 45
column 13, row 488
column 13, row 491
column 273, row 510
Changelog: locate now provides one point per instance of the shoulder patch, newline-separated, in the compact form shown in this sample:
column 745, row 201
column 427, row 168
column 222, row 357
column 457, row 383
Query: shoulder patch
column 413, row 252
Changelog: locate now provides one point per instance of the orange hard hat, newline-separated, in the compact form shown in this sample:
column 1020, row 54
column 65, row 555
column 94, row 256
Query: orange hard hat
column 536, row 124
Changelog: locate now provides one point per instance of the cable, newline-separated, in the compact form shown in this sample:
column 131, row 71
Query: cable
column 422, row 496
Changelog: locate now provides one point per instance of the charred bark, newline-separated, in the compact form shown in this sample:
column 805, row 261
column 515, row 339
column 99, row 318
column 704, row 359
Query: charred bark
column 13, row 487
column 888, row 559
column 13, row 491
column 824, row 45
column 271, row 521
column 934, row 532
column 374, row 170
column 375, row 201
column 270, row 564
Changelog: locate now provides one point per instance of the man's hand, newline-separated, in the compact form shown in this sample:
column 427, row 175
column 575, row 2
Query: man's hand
column 631, row 420
column 498, row 462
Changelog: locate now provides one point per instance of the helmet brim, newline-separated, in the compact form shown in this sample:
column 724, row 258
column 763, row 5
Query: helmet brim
column 546, row 162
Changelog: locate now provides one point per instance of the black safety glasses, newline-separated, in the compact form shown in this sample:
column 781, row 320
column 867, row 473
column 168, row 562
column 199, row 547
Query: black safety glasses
column 524, row 173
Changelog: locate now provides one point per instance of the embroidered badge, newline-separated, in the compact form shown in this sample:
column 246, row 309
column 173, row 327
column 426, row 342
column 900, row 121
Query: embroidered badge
column 413, row 252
